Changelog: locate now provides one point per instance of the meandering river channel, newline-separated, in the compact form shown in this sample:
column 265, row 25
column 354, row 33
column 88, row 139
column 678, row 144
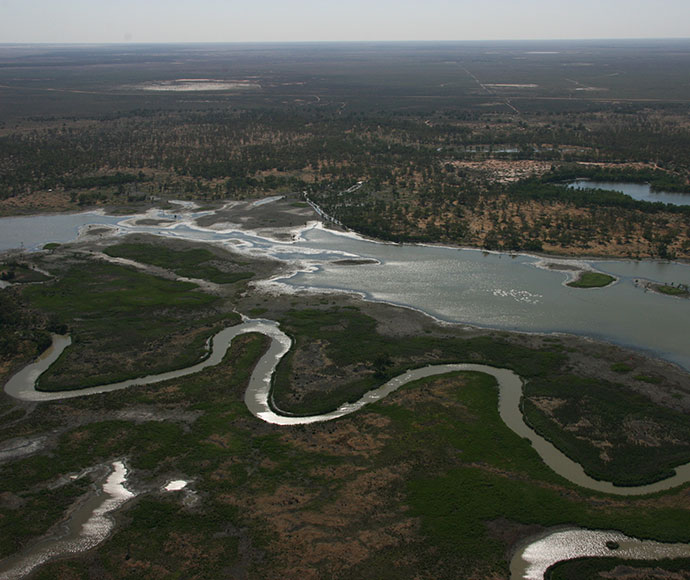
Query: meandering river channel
column 528, row 563
column 492, row 290
column 512, row 292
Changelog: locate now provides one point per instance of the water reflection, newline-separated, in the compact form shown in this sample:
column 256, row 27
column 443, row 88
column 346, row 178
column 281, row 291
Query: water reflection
column 88, row 525
column 638, row 191
column 531, row 562
column 468, row 286
column 257, row 398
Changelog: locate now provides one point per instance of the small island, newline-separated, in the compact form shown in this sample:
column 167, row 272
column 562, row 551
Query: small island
column 673, row 289
column 588, row 279
column 679, row 290
column 355, row 262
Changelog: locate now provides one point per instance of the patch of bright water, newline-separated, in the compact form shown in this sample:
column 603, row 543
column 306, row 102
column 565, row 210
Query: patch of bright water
column 175, row 485
column 467, row 286
column 531, row 562
column 88, row 525
column 638, row 191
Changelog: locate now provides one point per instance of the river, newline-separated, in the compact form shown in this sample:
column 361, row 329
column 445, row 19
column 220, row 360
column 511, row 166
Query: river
column 469, row 286
column 528, row 563
column 512, row 292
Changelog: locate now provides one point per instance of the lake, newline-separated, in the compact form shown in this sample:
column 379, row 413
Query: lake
column 512, row 292
column 639, row 191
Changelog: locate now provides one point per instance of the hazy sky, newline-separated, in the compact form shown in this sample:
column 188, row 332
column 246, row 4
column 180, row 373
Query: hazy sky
column 313, row 20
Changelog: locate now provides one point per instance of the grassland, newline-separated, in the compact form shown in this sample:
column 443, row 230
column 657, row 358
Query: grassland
column 428, row 481
column 124, row 323
column 587, row 419
column 18, row 273
column 340, row 356
column 592, row 280
column 191, row 263
column 430, row 473
column 679, row 291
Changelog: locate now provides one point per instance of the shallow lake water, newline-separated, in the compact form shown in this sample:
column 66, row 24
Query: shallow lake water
column 512, row 292
column 639, row 191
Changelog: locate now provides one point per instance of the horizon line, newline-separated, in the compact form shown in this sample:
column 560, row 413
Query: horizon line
column 413, row 41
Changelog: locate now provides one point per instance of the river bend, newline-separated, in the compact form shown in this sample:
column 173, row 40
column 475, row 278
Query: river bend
column 257, row 398
column 528, row 564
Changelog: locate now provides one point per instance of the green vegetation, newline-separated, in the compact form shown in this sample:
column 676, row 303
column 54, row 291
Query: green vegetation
column 681, row 290
column 434, row 454
column 438, row 159
column 491, row 475
column 46, row 507
column 188, row 263
column 529, row 215
column 647, row 440
column 152, row 445
column 591, row 280
column 456, row 466
column 93, row 181
column 25, row 332
column 428, row 482
column 359, row 358
column 625, row 439
column 124, row 323
column 591, row 569
column 19, row 273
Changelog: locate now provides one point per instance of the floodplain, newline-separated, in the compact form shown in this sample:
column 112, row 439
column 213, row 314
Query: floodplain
column 461, row 144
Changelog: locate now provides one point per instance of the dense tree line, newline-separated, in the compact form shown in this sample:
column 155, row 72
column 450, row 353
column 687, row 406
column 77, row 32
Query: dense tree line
column 25, row 331
column 428, row 177
column 193, row 150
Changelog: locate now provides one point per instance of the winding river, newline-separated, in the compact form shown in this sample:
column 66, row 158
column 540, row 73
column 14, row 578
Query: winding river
column 515, row 292
column 257, row 398
column 491, row 290
column 529, row 563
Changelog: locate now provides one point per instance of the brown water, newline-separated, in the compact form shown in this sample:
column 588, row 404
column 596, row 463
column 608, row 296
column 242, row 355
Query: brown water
column 528, row 564
column 22, row 386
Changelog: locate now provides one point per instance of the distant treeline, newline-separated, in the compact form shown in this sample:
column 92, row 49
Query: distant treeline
column 91, row 181
column 195, row 152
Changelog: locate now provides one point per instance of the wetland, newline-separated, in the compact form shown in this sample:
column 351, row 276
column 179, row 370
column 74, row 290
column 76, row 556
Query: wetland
column 183, row 426
column 203, row 250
